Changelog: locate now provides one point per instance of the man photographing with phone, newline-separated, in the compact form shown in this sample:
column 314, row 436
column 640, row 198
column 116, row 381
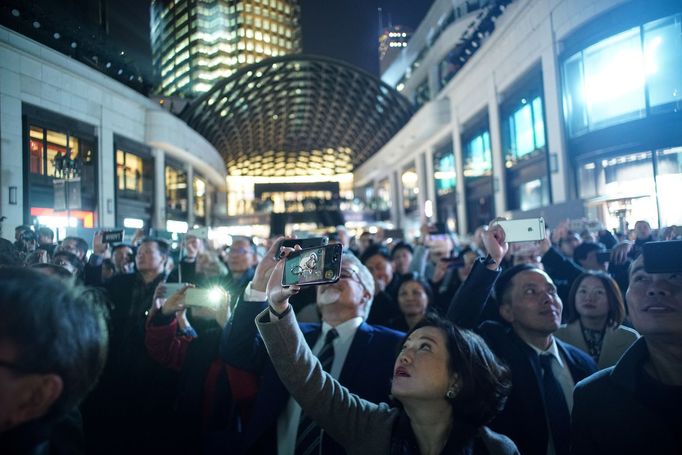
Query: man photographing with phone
column 354, row 352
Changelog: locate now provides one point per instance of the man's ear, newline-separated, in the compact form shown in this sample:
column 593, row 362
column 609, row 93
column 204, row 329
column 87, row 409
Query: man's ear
column 506, row 312
column 37, row 395
column 366, row 296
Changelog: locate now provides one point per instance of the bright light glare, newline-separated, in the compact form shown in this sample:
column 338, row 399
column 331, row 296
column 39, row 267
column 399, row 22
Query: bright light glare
column 133, row 223
column 409, row 178
column 650, row 60
column 179, row 227
column 428, row 208
column 215, row 295
column 621, row 75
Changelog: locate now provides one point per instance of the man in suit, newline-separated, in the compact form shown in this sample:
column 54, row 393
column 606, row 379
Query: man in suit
column 362, row 361
column 634, row 406
column 544, row 369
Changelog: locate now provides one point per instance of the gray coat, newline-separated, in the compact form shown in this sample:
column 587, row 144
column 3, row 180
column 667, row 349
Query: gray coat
column 360, row 426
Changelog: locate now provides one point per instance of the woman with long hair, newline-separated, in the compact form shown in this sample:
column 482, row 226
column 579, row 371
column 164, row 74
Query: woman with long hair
column 595, row 316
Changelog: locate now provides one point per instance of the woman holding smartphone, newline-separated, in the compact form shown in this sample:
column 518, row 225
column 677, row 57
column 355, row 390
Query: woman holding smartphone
column 447, row 386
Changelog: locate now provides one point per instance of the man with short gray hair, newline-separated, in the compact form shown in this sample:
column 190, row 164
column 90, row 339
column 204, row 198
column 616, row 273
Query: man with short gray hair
column 362, row 355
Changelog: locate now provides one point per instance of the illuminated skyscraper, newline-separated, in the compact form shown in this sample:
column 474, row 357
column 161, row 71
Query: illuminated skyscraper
column 198, row 42
column 391, row 41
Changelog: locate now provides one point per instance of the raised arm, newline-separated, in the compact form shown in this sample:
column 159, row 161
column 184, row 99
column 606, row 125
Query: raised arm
column 468, row 303
column 349, row 419
column 164, row 342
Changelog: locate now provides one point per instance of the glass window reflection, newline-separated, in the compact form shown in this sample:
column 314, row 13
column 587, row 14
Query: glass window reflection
column 624, row 77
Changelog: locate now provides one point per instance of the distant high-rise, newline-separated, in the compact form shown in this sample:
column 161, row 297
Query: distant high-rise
column 391, row 41
column 197, row 42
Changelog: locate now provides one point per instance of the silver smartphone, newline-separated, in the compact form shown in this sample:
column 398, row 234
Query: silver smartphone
column 523, row 230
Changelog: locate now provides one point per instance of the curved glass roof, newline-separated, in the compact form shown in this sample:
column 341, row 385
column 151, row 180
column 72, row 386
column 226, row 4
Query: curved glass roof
column 298, row 115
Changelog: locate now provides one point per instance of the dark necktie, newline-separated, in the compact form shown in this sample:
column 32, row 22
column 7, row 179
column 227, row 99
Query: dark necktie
column 309, row 435
column 555, row 406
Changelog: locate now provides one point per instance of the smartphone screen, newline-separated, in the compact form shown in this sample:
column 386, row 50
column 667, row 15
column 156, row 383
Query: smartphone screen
column 313, row 266
column 112, row 236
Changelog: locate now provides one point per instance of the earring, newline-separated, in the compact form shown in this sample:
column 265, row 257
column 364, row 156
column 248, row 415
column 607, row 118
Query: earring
column 451, row 394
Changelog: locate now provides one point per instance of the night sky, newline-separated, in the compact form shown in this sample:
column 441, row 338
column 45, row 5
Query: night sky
column 343, row 29
column 348, row 29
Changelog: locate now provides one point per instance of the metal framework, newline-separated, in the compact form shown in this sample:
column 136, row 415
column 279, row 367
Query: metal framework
column 298, row 115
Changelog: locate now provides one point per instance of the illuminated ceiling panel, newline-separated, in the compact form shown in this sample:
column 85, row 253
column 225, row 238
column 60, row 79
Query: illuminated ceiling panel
column 298, row 115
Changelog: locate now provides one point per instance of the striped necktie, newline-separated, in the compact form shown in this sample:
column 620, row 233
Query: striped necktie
column 309, row 435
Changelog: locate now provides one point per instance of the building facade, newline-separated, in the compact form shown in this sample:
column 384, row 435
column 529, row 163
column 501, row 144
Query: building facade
column 81, row 150
column 563, row 109
column 198, row 42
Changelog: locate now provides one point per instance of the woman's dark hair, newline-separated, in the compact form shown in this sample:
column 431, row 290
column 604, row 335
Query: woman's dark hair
column 616, row 314
column 484, row 381
column 425, row 286
column 57, row 329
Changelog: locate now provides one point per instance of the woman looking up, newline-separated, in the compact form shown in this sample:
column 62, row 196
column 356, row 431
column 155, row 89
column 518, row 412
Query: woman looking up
column 595, row 314
column 447, row 386
column 415, row 298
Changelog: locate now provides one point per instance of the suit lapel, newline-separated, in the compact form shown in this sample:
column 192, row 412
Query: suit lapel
column 359, row 348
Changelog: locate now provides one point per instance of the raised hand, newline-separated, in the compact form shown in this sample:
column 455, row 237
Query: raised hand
column 494, row 240
column 266, row 266
column 175, row 302
column 278, row 296
column 98, row 247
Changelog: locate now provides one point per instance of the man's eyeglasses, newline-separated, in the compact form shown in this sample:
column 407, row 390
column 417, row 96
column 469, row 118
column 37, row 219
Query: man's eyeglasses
column 235, row 251
column 351, row 274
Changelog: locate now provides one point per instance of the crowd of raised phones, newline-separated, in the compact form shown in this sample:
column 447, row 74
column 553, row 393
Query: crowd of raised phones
column 571, row 344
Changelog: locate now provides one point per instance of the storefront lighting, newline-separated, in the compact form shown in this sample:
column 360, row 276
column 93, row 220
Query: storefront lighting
column 178, row 227
column 56, row 35
column 133, row 223
column 16, row 13
column 409, row 178
column 428, row 208
column 36, row 24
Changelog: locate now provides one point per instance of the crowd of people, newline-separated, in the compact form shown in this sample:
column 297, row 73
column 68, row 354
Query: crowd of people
column 571, row 344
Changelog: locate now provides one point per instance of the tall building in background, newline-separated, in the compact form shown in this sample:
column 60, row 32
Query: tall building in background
column 392, row 41
column 198, row 42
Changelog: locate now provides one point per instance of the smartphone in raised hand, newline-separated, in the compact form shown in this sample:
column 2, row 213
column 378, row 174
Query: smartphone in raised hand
column 313, row 266
column 523, row 230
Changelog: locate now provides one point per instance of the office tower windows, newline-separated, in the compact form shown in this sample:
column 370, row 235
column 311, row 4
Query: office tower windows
column 197, row 42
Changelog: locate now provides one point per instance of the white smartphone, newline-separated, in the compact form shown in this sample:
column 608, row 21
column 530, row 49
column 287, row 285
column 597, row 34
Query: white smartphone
column 523, row 230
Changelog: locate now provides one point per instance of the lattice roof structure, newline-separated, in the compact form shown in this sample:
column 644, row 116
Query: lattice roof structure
column 298, row 115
